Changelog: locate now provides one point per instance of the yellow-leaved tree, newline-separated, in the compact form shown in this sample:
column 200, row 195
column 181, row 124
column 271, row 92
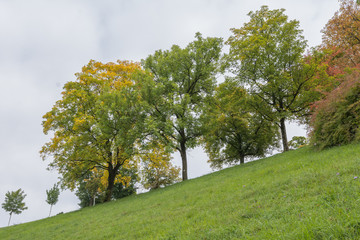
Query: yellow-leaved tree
column 158, row 170
column 96, row 124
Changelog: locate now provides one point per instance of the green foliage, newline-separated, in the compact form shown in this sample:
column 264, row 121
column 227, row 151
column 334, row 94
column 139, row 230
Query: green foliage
column 89, row 199
column 96, row 124
column 14, row 202
column 297, row 142
column 52, row 196
column 301, row 194
column 266, row 55
column 85, row 196
column 93, row 187
column 180, row 81
column 91, row 191
column 336, row 118
column 232, row 131
column 121, row 191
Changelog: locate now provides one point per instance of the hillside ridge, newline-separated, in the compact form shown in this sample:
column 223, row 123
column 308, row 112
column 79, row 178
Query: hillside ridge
column 301, row 194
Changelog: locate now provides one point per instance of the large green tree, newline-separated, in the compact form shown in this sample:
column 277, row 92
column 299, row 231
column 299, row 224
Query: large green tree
column 96, row 124
column 233, row 130
column 181, row 80
column 266, row 55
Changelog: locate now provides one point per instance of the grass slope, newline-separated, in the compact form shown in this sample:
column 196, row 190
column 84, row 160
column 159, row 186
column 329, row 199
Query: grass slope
column 300, row 194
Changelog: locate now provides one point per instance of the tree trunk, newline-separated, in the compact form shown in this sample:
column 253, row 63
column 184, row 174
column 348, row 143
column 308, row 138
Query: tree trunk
column 283, row 135
column 50, row 210
column 242, row 159
column 184, row 161
column 109, row 189
column 9, row 220
column 90, row 201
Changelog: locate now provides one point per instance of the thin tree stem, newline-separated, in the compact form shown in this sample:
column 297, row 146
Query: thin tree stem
column 50, row 210
column 9, row 220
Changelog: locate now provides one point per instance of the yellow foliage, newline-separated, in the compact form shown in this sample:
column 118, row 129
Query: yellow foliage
column 115, row 75
column 158, row 170
column 124, row 180
column 78, row 123
column 83, row 137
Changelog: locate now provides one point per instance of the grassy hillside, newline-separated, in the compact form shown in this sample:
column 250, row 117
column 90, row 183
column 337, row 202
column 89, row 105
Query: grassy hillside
column 296, row 195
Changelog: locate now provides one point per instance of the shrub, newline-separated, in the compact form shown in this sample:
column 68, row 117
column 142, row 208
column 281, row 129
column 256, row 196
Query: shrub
column 336, row 118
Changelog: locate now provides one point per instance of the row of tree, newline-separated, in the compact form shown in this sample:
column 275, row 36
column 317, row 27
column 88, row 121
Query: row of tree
column 14, row 200
column 119, row 121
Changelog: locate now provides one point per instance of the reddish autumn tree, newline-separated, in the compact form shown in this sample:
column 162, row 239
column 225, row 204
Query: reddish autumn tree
column 336, row 118
column 339, row 50
column 341, row 36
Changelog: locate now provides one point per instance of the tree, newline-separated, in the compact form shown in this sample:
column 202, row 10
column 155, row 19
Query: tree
column 266, row 55
column 158, row 170
column 336, row 118
column 340, row 45
column 96, row 124
column 94, row 186
column 88, row 190
column 52, row 196
column 233, row 132
column 91, row 188
column 341, row 35
column 181, row 80
column 14, row 202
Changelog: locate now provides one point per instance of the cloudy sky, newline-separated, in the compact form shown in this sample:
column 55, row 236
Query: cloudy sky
column 44, row 43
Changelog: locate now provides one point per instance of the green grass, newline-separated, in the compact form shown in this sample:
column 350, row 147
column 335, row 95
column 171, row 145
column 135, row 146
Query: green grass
column 300, row 194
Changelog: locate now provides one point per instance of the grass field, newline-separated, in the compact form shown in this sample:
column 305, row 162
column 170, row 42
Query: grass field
column 300, row 194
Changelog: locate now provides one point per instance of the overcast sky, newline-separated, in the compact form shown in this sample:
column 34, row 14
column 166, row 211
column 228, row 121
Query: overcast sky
column 44, row 43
